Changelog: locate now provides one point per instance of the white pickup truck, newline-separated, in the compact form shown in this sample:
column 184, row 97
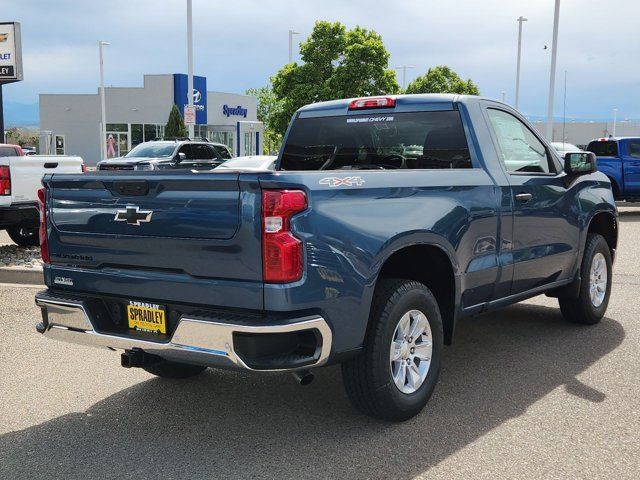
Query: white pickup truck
column 20, row 178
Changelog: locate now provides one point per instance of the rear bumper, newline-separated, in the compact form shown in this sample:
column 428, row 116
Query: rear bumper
column 22, row 214
column 198, row 341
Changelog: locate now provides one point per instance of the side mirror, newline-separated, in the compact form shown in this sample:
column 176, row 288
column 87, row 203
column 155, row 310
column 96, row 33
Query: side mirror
column 180, row 157
column 579, row 163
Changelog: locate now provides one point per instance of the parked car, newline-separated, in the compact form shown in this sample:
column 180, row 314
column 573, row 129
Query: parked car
column 170, row 154
column 348, row 253
column 619, row 159
column 20, row 179
column 253, row 163
column 564, row 148
column 29, row 150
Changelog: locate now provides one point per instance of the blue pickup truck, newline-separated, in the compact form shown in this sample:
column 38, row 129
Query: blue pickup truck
column 386, row 221
column 619, row 159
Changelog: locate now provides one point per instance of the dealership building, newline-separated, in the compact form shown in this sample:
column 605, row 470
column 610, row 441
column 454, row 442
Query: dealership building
column 70, row 123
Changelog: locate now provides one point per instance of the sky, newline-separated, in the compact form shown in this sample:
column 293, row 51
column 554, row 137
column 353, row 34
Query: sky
column 240, row 44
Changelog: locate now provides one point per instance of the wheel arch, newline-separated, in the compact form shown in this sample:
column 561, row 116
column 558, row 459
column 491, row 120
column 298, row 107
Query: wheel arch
column 605, row 223
column 433, row 265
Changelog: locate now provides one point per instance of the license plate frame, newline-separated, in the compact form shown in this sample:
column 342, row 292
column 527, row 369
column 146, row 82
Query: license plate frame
column 146, row 317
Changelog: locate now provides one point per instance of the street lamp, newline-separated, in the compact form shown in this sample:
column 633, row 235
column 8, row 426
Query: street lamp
column 520, row 20
column 615, row 117
column 103, row 115
column 552, row 78
column 404, row 74
column 291, row 34
column 190, row 62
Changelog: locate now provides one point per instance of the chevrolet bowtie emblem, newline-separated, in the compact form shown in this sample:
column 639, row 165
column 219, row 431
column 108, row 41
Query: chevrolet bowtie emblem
column 3, row 37
column 133, row 215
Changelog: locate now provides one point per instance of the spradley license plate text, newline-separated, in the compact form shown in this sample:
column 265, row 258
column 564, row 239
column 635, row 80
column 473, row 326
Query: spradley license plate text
column 147, row 317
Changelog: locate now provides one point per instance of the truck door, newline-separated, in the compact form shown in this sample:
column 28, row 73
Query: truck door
column 631, row 167
column 545, row 229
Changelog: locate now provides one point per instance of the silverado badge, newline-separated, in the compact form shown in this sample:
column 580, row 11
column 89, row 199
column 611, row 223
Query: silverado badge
column 133, row 215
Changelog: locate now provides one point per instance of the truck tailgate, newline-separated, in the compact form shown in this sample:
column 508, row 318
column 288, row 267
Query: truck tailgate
column 27, row 173
column 191, row 237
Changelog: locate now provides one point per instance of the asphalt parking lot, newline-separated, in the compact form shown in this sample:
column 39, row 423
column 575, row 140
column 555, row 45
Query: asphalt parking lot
column 522, row 395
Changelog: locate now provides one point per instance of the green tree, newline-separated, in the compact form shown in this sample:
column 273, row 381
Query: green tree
column 442, row 79
column 268, row 105
column 175, row 126
column 337, row 63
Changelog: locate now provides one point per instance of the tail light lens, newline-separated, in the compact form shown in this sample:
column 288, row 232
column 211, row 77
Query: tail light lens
column 42, row 231
column 5, row 181
column 282, row 256
column 84, row 168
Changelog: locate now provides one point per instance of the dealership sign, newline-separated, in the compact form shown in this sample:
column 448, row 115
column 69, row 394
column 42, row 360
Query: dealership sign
column 235, row 111
column 199, row 94
column 10, row 53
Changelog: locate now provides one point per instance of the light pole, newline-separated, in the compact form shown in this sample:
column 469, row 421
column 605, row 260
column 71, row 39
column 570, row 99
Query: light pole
column 552, row 77
column 103, row 114
column 520, row 20
column 504, row 96
column 615, row 118
column 190, row 61
column 404, row 74
column 291, row 34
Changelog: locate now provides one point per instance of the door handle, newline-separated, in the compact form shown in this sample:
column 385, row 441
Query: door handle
column 524, row 197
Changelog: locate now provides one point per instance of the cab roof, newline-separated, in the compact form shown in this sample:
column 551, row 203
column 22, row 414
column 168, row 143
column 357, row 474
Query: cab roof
column 403, row 103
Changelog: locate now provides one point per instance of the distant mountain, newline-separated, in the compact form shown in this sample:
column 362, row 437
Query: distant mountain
column 20, row 114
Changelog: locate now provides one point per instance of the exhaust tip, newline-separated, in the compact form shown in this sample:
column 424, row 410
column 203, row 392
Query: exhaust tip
column 303, row 377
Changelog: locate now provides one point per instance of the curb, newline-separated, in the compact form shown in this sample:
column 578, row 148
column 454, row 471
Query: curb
column 28, row 276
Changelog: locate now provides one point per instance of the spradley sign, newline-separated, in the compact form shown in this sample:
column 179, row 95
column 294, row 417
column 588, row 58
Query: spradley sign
column 10, row 53
column 236, row 111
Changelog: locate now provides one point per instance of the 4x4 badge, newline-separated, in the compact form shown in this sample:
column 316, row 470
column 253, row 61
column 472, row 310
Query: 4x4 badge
column 133, row 215
column 342, row 181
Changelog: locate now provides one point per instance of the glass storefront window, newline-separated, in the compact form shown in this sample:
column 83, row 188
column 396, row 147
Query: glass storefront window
column 137, row 134
column 117, row 127
column 153, row 131
column 226, row 138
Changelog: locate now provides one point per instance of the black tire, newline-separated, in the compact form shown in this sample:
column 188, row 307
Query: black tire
column 581, row 309
column 167, row 369
column 24, row 237
column 368, row 377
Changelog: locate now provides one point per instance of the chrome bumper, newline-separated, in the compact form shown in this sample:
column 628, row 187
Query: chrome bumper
column 197, row 341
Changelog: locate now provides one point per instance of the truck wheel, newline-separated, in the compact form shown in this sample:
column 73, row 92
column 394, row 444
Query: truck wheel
column 595, row 287
column 24, row 237
column 394, row 376
column 167, row 369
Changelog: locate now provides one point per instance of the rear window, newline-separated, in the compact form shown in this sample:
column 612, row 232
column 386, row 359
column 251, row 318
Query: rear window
column 608, row 148
column 221, row 152
column 8, row 152
column 416, row 140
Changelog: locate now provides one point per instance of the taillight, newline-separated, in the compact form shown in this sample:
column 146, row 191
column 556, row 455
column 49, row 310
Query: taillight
column 372, row 102
column 84, row 168
column 5, row 181
column 42, row 231
column 282, row 256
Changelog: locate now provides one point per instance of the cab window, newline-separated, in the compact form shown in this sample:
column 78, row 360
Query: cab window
column 519, row 149
column 634, row 149
column 605, row 148
column 186, row 149
column 202, row 152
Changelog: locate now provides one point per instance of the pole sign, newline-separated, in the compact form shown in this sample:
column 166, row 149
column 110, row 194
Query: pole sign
column 189, row 115
column 10, row 52
column 180, row 96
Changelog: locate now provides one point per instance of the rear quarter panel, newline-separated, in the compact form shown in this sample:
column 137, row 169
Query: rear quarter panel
column 348, row 233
